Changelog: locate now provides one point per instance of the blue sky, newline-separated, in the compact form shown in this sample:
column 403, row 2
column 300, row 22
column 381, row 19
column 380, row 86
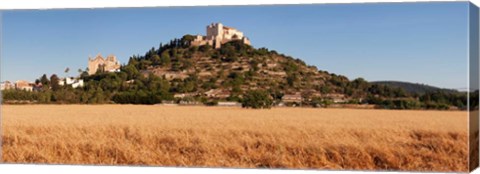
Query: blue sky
column 415, row 42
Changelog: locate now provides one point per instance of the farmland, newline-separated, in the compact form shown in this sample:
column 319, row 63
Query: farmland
column 198, row 136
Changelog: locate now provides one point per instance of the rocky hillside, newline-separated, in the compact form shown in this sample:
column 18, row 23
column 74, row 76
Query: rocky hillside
column 235, row 68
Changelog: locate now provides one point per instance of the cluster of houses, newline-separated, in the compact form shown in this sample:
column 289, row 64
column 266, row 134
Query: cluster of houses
column 31, row 86
column 288, row 99
column 109, row 64
column 20, row 85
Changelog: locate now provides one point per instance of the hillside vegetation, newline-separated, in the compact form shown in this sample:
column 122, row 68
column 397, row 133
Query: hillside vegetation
column 414, row 88
column 181, row 73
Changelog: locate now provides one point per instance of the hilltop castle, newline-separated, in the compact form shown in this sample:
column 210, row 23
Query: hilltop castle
column 110, row 64
column 218, row 34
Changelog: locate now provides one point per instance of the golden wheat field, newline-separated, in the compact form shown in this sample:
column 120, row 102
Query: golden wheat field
column 304, row 138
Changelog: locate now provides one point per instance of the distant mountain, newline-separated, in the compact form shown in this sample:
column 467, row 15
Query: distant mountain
column 414, row 87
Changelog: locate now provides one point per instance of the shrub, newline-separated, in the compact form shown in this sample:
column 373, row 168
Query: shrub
column 257, row 99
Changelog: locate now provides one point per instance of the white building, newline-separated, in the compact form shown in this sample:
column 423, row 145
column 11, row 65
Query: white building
column 337, row 98
column 75, row 83
column 292, row 98
column 6, row 85
column 229, row 104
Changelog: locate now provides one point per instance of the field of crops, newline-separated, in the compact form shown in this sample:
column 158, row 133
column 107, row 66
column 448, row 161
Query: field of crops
column 305, row 138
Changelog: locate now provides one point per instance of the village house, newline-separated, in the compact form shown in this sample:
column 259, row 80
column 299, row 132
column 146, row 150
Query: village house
column 229, row 104
column 184, row 95
column 276, row 73
column 37, row 86
column 169, row 75
column 190, row 103
column 272, row 65
column 218, row 34
column 6, row 85
column 217, row 93
column 292, row 98
column 74, row 82
column 23, row 85
column 337, row 98
column 167, row 103
column 110, row 64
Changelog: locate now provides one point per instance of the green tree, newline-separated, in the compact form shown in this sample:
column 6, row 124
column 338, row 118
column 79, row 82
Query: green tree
column 324, row 89
column 229, row 52
column 186, row 39
column 257, row 99
column 44, row 80
column 131, row 71
column 156, row 60
column 292, row 79
column 165, row 59
column 54, row 80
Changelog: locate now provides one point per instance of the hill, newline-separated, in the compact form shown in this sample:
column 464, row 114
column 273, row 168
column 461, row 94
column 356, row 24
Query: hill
column 414, row 88
column 228, row 73
column 178, row 72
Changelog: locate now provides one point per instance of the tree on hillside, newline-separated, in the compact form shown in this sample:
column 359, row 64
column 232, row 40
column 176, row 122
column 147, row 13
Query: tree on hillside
column 131, row 71
column 257, row 99
column 156, row 59
column 205, row 48
column 292, row 79
column 228, row 51
column 165, row 59
column 187, row 39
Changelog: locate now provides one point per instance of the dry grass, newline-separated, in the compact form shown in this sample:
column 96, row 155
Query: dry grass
column 235, row 137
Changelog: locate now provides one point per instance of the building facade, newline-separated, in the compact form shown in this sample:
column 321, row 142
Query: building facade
column 292, row 98
column 218, row 34
column 70, row 81
column 110, row 64
column 6, row 85
column 24, row 85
